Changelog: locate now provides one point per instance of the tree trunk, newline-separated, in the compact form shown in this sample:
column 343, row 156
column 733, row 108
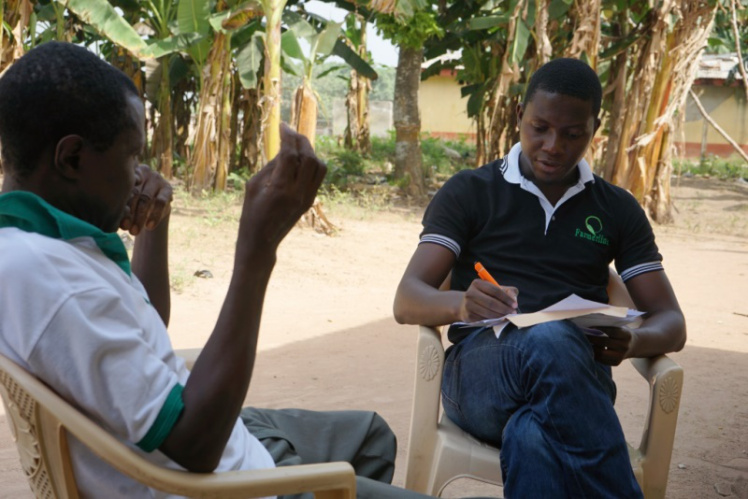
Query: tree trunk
column 586, row 40
column 616, row 93
column 503, row 111
column 543, row 44
column 16, row 15
column 163, row 140
column 271, row 81
column 249, row 155
column 210, row 158
column 224, row 138
column 304, row 112
column 667, row 64
column 357, row 134
column 350, row 136
column 182, row 106
column 237, row 105
column 408, row 160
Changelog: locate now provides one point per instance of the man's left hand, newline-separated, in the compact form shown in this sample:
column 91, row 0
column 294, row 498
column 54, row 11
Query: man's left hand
column 150, row 202
column 615, row 346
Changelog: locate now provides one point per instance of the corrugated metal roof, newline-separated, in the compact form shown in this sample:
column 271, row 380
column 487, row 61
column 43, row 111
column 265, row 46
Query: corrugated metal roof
column 716, row 66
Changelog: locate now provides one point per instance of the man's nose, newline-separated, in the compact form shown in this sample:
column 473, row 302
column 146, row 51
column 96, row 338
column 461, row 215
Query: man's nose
column 552, row 142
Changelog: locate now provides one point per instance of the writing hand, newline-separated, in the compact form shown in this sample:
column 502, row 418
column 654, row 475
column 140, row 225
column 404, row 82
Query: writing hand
column 150, row 202
column 484, row 300
column 615, row 346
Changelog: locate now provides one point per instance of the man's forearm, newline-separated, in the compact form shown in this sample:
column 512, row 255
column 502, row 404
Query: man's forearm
column 218, row 383
column 150, row 262
column 419, row 303
column 662, row 332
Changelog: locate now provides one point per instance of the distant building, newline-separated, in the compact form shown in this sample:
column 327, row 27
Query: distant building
column 724, row 102
column 444, row 110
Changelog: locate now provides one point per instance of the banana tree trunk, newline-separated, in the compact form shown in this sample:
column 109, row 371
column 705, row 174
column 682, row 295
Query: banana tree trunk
column 182, row 108
column 163, row 142
column 130, row 65
column 502, row 109
column 362, row 98
column 210, row 153
column 16, row 15
column 666, row 69
column 544, row 49
column 616, row 102
column 350, row 136
column 249, row 154
column 408, row 160
column 236, row 109
column 357, row 135
column 304, row 112
column 271, row 81
column 586, row 40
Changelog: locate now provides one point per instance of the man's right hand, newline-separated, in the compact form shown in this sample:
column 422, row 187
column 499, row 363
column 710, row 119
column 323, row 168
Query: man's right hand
column 281, row 192
column 483, row 300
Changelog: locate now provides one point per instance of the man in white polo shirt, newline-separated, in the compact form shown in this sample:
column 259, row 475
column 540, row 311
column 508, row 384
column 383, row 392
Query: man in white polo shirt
column 92, row 325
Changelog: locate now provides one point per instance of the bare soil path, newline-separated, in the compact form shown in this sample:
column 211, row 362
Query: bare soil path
column 329, row 340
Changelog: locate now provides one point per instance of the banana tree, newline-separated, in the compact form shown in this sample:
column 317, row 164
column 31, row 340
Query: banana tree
column 157, row 50
column 212, row 147
column 666, row 67
column 357, row 135
column 321, row 44
column 15, row 16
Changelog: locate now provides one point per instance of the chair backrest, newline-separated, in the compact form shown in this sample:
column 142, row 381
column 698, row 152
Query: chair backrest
column 42, row 445
column 40, row 421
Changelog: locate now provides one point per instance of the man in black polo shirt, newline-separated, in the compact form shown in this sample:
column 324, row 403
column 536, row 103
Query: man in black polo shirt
column 545, row 227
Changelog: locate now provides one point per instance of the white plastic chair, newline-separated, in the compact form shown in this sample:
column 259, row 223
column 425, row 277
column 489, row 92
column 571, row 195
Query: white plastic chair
column 440, row 452
column 40, row 421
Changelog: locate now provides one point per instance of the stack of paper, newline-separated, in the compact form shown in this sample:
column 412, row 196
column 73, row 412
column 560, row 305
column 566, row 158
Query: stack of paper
column 585, row 313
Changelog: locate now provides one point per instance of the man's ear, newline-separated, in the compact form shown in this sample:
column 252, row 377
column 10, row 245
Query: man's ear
column 68, row 156
column 520, row 111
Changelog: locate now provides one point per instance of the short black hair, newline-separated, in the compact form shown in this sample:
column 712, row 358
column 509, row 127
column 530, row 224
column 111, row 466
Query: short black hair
column 59, row 89
column 567, row 76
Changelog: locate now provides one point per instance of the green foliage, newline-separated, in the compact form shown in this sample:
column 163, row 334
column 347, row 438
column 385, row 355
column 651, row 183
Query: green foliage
column 441, row 159
column 343, row 165
column 712, row 166
column 722, row 38
column 237, row 178
column 411, row 32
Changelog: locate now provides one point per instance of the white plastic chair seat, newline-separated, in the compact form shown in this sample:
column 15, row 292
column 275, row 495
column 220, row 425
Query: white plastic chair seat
column 440, row 452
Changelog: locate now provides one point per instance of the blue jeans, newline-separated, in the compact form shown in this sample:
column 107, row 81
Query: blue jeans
column 539, row 395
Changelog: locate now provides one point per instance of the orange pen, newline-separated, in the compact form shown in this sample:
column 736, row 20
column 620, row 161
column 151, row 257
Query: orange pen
column 483, row 274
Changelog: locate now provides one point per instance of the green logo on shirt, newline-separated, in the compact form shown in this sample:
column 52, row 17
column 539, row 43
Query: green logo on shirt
column 594, row 230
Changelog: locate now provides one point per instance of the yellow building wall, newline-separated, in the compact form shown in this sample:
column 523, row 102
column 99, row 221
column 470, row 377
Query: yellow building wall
column 727, row 107
column 443, row 110
column 444, row 114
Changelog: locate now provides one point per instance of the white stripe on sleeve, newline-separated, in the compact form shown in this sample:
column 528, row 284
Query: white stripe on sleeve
column 448, row 243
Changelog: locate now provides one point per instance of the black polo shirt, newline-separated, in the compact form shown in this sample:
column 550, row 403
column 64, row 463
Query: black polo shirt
column 496, row 216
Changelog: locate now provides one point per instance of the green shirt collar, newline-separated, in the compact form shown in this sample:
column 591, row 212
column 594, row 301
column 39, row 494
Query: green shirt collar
column 30, row 213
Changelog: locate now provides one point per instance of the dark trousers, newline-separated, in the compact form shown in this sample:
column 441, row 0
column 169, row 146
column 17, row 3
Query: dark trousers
column 296, row 436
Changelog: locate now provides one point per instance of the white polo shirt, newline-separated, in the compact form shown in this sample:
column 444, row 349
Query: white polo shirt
column 73, row 315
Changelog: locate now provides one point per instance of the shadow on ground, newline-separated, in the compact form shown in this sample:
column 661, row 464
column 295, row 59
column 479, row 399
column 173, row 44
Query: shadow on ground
column 372, row 367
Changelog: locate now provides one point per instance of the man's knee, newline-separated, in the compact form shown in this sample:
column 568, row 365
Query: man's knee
column 376, row 457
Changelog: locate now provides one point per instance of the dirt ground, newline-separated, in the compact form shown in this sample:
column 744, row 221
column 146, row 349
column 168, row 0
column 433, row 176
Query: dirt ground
column 329, row 341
